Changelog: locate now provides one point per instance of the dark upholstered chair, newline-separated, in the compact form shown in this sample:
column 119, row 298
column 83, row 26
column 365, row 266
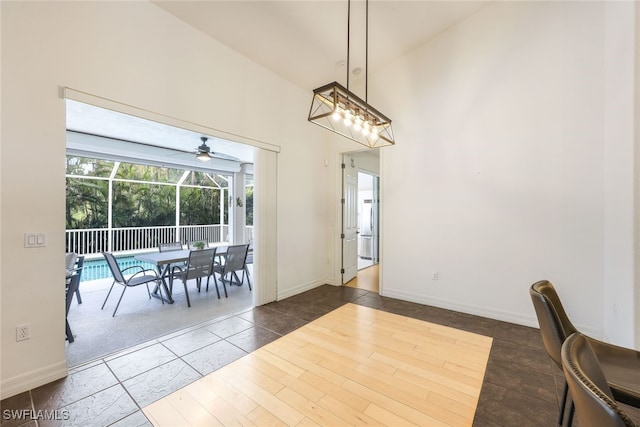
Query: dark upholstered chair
column 594, row 403
column 620, row 365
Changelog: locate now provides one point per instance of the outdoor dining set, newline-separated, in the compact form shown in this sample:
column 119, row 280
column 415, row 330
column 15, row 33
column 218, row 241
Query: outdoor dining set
column 196, row 262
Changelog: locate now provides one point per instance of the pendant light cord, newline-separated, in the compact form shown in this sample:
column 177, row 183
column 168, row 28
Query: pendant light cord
column 366, row 48
column 348, row 37
column 366, row 54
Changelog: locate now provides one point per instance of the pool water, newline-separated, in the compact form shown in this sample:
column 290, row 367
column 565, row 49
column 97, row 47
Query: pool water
column 98, row 269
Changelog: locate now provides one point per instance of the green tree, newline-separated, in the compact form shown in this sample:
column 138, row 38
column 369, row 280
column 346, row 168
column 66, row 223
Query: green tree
column 199, row 206
column 143, row 196
column 87, row 198
column 87, row 203
column 143, row 205
column 249, row 205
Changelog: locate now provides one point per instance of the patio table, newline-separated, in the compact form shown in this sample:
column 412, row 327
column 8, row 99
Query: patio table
column 163, row 261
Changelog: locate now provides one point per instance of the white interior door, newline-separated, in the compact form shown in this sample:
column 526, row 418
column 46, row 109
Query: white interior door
column 349, row 219
column 375, row 221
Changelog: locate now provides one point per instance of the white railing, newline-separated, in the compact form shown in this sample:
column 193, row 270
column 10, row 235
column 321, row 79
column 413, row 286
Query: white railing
column 207, row 233
column 97, row 240
column 87, row 241
column 137, row 238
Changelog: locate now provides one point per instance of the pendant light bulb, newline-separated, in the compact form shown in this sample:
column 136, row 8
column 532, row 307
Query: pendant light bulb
column 374, row 133
column 347, row 118
column 358, row 123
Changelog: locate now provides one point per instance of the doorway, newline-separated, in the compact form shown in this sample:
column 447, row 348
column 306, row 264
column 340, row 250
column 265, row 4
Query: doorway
column 361, row 220
column 368, row 223
column 97, row 336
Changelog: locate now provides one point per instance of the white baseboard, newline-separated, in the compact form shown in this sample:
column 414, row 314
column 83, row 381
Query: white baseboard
column 300, row 288
column 492, row 313
column 30, row 380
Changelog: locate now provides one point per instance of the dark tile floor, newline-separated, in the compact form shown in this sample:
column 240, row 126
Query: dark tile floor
column 521, row 385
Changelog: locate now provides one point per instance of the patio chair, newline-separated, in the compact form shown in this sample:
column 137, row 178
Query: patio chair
column 140, row 277
column 248, row 261
column 71, row 287
column 71, row 260
column 250, row 254
column 170, row 246
column 236, row 260
column 200, row 265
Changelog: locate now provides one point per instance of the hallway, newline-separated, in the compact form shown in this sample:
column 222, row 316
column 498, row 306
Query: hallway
column 367, row 279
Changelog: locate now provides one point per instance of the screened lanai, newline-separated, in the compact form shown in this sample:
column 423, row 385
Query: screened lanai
column 132, row 184
column 126, row 207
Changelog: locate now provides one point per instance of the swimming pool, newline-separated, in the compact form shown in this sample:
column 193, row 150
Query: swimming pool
column 98, row 269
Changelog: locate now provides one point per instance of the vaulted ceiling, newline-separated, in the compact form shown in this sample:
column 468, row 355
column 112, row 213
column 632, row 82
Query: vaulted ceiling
column 303, row 41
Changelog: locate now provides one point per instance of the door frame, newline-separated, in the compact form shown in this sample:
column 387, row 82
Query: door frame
column 336, row 225
column 348, row 164
column 375, row 207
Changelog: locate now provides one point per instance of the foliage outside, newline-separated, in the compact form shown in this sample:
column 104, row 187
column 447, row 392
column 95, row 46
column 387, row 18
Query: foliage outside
column 143, row 196
column 249, row 205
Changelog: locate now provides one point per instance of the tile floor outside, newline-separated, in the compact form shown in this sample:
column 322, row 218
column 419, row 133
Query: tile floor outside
column 521, row 385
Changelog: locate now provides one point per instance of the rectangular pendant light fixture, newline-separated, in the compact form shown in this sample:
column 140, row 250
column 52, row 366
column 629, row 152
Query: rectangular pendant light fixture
column 339, row 110
column 336, row 108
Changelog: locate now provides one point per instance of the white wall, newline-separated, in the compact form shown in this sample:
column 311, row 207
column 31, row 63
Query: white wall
column 367, row 161
column 501, row 131
column 620, row 111
column 136, row 54
column 500, row 162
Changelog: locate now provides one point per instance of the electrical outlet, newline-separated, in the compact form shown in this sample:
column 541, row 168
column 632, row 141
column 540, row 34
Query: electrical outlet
column 23, row 332
column 435, row 275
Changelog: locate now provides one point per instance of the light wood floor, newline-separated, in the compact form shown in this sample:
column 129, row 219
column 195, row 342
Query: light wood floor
column 355, row 365
column 367, row 278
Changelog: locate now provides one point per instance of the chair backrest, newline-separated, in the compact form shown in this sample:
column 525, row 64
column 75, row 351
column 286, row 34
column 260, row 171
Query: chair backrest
column 592, row 397
column 236, row 257
column 249, row 259
column 200, row 263
column 114, row 267
column 70, row 260
column 74, row 282
column 170, row 246
column 555, row 326
column 75, row 269
column 79, row 264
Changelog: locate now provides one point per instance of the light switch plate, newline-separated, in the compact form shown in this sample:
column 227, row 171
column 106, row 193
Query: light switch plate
column 35, row 240
column 29, row 240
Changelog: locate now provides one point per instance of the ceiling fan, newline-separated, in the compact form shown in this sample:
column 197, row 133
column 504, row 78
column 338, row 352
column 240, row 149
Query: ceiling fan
column 204, row 152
